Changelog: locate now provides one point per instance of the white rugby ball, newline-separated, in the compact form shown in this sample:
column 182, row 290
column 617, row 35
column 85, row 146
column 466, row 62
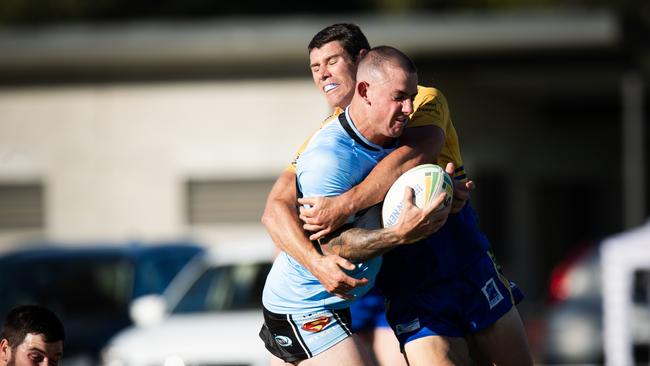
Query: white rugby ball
column 427, row 181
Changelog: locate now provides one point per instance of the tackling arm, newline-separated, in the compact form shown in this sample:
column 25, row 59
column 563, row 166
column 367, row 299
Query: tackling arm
column 359, row 244
column 418, row 145
column 281, row 221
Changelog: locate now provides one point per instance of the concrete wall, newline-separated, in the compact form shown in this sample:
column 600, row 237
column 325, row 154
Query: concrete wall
column 113, row 158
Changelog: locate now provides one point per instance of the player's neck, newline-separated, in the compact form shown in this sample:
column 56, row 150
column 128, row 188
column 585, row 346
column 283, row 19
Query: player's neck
column 365, row 126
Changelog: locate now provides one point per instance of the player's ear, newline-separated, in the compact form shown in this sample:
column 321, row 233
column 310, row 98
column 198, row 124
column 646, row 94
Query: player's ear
column 5, row 351
column 362, row 52
column 362, row 89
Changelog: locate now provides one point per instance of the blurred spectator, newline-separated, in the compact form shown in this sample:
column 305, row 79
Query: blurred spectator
column 31, row 335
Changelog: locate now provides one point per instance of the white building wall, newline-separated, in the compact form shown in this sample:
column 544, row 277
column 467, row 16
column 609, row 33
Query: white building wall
column 114, row 157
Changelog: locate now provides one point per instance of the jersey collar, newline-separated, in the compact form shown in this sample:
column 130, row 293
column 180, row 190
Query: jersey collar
column 351, row 129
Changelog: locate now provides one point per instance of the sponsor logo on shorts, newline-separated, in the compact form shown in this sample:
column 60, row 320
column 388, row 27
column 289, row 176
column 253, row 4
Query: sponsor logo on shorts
column 317, row 325
column 408, row 327
column 491, row 292
column 283, row 341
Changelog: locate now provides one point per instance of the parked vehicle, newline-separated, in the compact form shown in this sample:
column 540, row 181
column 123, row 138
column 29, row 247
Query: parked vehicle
column 90, row 287
column 574, row 320
column 210, row 314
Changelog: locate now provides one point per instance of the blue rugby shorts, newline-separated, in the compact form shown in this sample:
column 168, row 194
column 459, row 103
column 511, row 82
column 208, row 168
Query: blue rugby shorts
column 369, row 312
column 463, row 304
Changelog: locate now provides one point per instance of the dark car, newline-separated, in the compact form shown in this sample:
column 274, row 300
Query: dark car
column 90, row 287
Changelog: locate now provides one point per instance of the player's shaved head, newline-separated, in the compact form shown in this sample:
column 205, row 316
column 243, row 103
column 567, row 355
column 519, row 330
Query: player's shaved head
column 383, row 98
column 376, row 64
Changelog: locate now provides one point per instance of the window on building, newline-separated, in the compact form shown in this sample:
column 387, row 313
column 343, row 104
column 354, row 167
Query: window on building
column 226, row 201
column 22, row 206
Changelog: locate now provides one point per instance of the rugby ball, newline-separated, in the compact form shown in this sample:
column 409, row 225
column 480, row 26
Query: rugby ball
column 427, row 181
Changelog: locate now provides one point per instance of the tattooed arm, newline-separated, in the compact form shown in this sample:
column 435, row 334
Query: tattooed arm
column 357, row 245
column 360, row 243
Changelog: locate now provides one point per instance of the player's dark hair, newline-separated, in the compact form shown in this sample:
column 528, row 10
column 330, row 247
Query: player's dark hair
column 380, row 54
column 36, row 319
column 350, row 35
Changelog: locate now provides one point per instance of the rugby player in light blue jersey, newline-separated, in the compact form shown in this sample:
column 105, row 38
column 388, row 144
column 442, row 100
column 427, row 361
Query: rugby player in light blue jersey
column 303, row 322
column 446, row 293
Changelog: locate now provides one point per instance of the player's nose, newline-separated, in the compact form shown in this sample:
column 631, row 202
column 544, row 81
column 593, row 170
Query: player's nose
column 407, row 107
column 324, row 73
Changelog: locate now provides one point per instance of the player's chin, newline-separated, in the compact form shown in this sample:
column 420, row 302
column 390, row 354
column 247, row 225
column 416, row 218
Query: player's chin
column 334, row 100
column 397, row 129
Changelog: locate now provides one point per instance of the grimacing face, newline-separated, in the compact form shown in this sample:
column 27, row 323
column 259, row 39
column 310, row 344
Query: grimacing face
column 334, row 73
column 392, row 101
column 33, row 351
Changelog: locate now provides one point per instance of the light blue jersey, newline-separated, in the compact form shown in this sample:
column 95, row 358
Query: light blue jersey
column 336, row 159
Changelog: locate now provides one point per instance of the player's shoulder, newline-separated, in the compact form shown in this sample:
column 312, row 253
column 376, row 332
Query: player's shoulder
column 331, row 130
column 429, row 93
column 328, row 139
column 308, row 141
column 431, row 102
column 327, row 130
column 324, row 159
column 332, row 117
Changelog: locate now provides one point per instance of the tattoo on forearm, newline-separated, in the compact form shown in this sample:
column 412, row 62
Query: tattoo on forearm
column 358, row 244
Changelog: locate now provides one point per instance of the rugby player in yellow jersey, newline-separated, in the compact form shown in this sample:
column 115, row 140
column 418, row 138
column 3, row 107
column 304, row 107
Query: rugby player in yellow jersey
column 333, row 64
